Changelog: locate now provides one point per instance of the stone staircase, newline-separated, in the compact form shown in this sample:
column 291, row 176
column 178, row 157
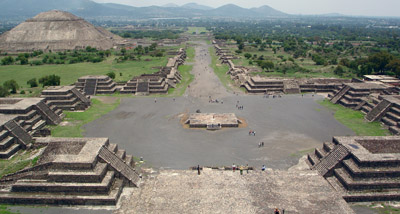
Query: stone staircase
column 379, row 110
column 90, row 86
column 116, row 161
column 23, row 137
column 291, row 87
column 327, row 160
column 51, row 117
column 340, row 94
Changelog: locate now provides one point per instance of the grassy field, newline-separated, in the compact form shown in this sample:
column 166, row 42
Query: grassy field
column 71, row 72
column 22, row 159
column 187, row 78
column 78, row 119
column 198, row 30
column 220, row 69
column 190, row 53
column 355, row 120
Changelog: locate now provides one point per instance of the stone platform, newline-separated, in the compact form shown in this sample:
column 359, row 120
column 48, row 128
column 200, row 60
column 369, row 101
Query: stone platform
column 92, row 84
column 72, row 171
column 220, row 191
column 66, row 98
column 206, row 120
column 361, row 168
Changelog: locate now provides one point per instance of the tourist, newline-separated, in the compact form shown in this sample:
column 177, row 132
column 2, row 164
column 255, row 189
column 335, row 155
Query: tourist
column 263, row 168
column 241, row 170
column 247, row 168
column 259, row 145
column 262, row 144
column 254, row 133
column 233, row 167
column 249, row 132
column 276, row 211
column 155, row 100
column 198, row 169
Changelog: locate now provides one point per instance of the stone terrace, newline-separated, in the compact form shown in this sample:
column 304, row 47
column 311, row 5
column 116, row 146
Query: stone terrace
column 353, row 95
column 92, row 85
column 220, row 191
column 66, row 98
column 32, row 113
column 72, row 171
column 204, row 120
column 360, row 168
column 12, row 136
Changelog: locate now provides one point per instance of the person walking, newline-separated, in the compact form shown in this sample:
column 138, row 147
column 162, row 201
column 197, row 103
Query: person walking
column 247, row 168
column 263, row 168
column 241, row 170
column 233, row 167
column 198, row 169
column 276, row 211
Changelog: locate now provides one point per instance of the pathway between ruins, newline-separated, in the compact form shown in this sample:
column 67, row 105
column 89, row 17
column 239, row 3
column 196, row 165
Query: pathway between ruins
column 205, row 83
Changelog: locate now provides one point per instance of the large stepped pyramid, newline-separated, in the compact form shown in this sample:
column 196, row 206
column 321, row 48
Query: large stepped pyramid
column 367, row 168
column 72, row 171
column 56, row 31
column 65, row 98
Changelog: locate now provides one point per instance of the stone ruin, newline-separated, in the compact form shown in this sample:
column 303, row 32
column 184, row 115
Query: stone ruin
column 66, row 98
column 256, row 84
column 22, row 118
column 56, row 31
column 92, row 85
column 360, row 168
column 72, row 171
column 159, row 82
column 212, row 121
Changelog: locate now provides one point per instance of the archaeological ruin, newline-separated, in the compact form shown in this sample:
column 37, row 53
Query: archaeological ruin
column 360, row 168
column 72, row 171
column 66, row 98
column 212, row 121
column 56, row 31
column 96, row 84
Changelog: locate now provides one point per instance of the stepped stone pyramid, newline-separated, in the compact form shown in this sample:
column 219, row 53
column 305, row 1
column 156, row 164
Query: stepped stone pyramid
column 92, row 85
column 352, row 95
column 72, row 171
column 22, row 118
column 65, row 98
column 56, row 31
column 12, row 136
column 360, row 168
column 159, row 82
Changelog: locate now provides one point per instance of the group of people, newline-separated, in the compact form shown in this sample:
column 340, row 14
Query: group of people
column 251, row 132
column 276, row 211
column 240, row 168
column 260, row 144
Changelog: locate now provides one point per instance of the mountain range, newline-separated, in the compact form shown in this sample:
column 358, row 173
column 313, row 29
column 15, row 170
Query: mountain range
column 23, row 9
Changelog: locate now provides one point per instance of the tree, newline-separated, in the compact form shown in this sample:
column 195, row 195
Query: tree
column 339, row 70
column 51, row 80
column 8, row 60
column 32, row 82
column 111, row 75
column 3, row 92
column 11, row 85
column 241, row 46
column 394, row 66
column 123, row 51
column 247, row 55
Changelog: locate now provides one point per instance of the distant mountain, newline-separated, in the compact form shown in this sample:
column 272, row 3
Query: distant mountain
column 24, row 9
column 170, row 5
column 196, row 6
column 267, row 10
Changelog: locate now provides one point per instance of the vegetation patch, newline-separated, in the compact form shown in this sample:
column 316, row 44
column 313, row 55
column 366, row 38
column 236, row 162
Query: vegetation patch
column 78, row 119
column 190, row 53
column 355, row 121
column 220, row 70
column 187, row 78
column 19, row 161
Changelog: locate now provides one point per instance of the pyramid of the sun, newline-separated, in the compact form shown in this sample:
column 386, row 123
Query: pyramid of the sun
column 57, row 31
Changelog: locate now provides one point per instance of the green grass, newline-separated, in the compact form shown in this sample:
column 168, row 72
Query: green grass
column 355, row 120
column 190, row 53
column 71, row 72
column 220, row 69
column 18, row 162
column 187, row 78
column 78, row 119
column 198, row 30
column 5, row 210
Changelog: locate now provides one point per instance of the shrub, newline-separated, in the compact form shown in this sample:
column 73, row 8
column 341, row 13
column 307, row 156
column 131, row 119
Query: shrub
column 3, row 92
column 111, row 75
column 51, row 80
column 32, row 82
column 11, row 85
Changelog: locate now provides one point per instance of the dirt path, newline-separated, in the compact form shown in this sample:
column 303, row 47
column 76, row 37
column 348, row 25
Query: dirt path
column 205, row 83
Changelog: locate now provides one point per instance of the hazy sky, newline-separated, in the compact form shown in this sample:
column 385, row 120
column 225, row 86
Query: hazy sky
column 347, row 7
